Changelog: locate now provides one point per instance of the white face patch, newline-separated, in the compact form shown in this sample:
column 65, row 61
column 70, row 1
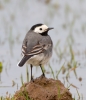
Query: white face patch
column 41, row 29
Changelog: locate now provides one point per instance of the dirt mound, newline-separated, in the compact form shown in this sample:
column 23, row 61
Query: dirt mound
column 43, row 89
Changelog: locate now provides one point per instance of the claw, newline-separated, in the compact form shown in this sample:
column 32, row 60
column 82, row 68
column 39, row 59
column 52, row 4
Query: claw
column 43, row 75
column 32, row 79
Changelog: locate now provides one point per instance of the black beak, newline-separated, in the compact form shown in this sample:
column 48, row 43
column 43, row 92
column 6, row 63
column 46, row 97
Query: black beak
column 50, row 28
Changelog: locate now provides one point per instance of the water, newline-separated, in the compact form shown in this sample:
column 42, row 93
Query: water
column 69, row 21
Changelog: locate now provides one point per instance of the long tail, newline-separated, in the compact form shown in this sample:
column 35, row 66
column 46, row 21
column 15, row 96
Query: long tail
column 23, row 61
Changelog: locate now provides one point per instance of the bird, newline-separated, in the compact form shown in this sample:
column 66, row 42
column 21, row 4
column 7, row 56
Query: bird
column 37, row 47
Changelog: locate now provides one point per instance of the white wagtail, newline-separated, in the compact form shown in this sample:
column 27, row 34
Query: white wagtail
column 37, row 47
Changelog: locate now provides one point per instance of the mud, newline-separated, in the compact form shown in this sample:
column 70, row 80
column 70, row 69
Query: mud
column 43, row 89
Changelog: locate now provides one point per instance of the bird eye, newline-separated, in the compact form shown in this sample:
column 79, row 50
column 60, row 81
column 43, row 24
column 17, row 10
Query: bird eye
column 40, row 28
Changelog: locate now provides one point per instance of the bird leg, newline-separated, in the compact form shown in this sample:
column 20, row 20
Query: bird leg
column 31, row 73
column 43, row 75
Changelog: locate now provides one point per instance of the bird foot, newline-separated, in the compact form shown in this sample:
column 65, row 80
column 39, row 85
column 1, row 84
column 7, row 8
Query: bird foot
column 43, row 75
column 32, row 80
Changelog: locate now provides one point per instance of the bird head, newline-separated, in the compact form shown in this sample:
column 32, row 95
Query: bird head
column 40, row 28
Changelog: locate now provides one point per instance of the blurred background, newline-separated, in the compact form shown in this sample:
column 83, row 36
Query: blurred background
column 68, row 63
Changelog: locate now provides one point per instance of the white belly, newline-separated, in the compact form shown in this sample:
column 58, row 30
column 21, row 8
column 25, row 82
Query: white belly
column 36, row 60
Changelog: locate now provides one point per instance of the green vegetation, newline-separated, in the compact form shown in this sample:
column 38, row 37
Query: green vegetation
column 1, row 68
